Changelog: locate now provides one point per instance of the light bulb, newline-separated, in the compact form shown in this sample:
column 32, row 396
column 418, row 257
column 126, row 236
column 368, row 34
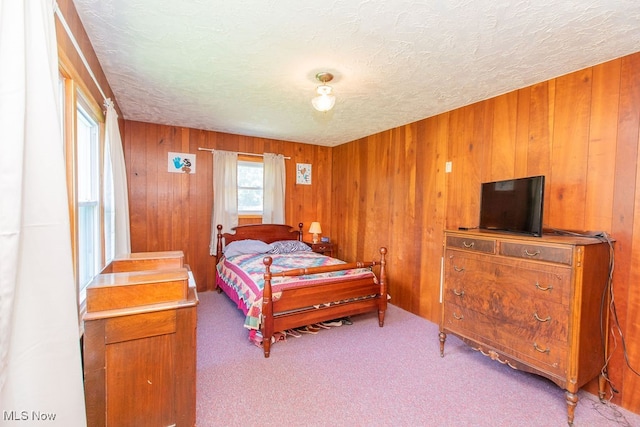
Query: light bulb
column 325, row 100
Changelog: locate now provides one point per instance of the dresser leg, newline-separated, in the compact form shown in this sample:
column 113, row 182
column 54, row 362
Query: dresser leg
column 443, row 338
column 572, row 401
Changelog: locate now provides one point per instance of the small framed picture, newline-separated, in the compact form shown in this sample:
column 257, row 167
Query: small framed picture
column 181, row 163
column 303, row 173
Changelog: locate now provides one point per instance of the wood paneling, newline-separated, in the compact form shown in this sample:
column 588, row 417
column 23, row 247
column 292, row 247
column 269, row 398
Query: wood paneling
column 626, row 205
column 580, row 130
column 171, row 211
column 569, row 151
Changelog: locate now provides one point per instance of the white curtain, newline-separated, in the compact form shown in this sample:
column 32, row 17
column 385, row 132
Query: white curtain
column 274, row 189
column 225, row 194
column 120, row 198
column 40, row 363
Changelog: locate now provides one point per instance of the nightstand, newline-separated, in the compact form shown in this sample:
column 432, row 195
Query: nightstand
column 323, row 248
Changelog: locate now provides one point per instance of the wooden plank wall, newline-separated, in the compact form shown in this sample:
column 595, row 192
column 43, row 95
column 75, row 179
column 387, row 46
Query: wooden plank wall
column 171, row 211
column 580, row 130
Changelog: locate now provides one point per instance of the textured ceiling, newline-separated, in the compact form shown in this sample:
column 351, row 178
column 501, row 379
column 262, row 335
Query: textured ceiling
column 248, row 67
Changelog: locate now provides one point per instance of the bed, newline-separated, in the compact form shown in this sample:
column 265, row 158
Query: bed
column 279, row 285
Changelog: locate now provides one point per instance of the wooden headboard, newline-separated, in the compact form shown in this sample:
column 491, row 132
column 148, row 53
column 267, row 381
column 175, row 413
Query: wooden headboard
column 267, row 233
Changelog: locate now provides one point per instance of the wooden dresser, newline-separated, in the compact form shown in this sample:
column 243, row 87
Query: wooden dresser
column 140, row 343
column 532, row 303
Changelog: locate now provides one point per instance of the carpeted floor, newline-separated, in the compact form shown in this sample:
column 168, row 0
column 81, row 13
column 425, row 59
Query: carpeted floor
column 364, row 375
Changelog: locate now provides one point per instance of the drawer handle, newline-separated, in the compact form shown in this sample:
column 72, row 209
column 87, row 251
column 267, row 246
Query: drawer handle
column 540, row 319
column 458, row 293
column 455, row 316
column 531, row 254
column 458, row 269
column 540, row 349
column 548, row 288
column 468, row 245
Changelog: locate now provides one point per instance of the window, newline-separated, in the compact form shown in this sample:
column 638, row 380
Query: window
column 250, row 188
column 88, row 198
column 83, row 134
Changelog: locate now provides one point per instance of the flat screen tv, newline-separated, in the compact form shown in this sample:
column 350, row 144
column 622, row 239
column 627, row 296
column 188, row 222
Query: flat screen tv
column 513, row 205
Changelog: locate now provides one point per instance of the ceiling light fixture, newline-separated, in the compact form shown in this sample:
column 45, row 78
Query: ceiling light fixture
column 325, row 100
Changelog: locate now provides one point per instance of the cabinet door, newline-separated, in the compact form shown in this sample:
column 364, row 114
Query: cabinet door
column 140, row 369
column 140, row 382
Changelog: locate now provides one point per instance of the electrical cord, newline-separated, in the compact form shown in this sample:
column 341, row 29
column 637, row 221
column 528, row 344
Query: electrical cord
column 607, row 291
column 612, row 306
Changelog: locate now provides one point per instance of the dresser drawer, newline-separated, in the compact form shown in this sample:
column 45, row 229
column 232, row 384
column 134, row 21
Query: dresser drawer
column 529, row 316
column 545, row 352
column 467, row 272
column 559, row 255
column 321, row 247
column 548, row 354
column 472, row 244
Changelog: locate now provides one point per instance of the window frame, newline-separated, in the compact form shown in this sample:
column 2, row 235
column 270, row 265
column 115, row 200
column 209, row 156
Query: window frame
column 251, row 214
column 94, row 203
column 74, row 93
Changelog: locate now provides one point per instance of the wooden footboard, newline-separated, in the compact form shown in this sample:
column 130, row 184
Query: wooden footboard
column 321, row 302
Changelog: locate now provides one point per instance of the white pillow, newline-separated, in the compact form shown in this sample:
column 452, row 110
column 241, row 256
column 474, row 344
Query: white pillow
column 247, row 246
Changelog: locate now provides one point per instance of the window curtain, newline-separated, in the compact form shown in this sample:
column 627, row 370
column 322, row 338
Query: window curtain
column 120, row 196
column 40, row 362
column 274, row 189
column 225, row 194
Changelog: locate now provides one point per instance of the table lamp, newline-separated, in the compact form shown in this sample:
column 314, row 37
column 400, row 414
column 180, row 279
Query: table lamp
column 315, row 229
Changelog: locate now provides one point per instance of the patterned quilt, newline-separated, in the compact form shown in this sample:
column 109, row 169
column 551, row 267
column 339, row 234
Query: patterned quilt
column 244, row 275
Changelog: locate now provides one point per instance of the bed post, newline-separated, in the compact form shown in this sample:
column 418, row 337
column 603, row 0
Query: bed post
column 218, row 256
column 267, row 308
column 300, row 231
column 382, row 303
column 219, row 243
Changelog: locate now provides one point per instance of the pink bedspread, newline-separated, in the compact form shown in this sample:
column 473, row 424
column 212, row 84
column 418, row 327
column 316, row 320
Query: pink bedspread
column 242, row 278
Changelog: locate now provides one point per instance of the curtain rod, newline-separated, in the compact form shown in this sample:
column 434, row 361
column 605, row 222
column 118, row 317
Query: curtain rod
column 75, row 44
column 244, row 154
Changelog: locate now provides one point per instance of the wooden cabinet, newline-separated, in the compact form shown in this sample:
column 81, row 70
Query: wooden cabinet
column 140, row 345
column 328, row 249
column 532, row 303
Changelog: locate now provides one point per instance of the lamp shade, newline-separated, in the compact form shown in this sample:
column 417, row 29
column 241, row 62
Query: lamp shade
column 315, row 228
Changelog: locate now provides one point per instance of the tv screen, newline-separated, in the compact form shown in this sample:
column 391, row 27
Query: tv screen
column 513, row 205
